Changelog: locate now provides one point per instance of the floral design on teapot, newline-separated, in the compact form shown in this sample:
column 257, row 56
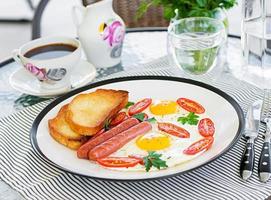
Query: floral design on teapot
column 55, row 74
column 113, row 32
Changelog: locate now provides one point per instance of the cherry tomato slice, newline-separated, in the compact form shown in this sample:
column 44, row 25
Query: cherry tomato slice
column 190, row 105
column 173, row 130
column 118, row 162
column 138, row 157
column 120, row 117
column 139, row 106
column 146, row 117
column 199, row 146
column 99, row 133
column 206, row 127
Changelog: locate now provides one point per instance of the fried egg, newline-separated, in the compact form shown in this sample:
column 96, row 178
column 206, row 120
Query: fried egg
column 170, row 146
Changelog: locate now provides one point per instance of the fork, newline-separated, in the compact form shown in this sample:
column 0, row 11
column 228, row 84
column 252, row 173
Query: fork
column 264, row 167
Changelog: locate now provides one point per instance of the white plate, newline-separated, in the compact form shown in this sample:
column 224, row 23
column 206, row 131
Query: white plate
column 25, row 82
column 224, row 111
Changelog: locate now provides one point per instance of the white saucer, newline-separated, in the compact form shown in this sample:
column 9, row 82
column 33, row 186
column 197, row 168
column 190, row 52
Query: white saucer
column 25, row 82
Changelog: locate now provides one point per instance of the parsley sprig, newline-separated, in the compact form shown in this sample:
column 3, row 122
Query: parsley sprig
column 139, row 116
column 153, row 160
column 129, row 103
column 191, row 119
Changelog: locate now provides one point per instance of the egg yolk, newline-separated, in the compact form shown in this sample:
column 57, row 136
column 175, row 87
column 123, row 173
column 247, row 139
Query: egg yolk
column 153, row 142
column 164, row 108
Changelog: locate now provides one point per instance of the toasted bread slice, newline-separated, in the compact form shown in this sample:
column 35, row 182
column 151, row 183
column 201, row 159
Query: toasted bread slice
column 87, row 113
column 59, row 129
column 59, row 124
column 72, row 144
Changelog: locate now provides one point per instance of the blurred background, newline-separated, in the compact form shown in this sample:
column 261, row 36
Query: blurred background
column 19, row 20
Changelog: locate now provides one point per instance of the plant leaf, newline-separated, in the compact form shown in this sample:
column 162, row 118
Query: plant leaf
column 153, row 160
column 129, row 103
column 191, row 119
column 139, row 116
column 151, row 120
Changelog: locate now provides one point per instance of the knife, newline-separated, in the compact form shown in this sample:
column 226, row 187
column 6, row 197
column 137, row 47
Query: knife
column 250, row 133
column 264, row 168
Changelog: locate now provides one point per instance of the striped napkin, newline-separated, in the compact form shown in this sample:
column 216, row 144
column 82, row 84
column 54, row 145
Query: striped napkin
column 24, row 171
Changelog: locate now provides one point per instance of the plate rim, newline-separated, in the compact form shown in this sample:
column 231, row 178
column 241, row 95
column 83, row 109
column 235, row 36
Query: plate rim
column 40, row 116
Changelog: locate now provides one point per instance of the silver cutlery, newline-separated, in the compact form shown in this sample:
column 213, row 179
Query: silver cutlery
column 264, row 167
column 252, row 123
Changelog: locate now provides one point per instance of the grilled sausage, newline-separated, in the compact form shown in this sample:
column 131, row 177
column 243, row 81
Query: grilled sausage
column 82, row 152
column 115, row 143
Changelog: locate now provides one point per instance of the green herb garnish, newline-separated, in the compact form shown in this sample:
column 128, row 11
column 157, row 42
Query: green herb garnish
column 129, row 103
column 106, row 125
column 191, row 119
column 153, row 160
column 139, row 116
column 151, row 120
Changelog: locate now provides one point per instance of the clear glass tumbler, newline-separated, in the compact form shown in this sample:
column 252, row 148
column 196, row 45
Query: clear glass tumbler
column 256, row 42
column 193, row 43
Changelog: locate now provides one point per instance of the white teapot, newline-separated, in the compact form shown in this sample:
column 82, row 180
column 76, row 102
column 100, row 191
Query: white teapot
column 101, row 33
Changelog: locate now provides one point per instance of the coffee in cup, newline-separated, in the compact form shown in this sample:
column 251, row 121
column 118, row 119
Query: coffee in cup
column 50, row 60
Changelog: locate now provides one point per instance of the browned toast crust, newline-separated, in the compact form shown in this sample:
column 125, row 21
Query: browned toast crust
column 59, row 129
column 104, row 103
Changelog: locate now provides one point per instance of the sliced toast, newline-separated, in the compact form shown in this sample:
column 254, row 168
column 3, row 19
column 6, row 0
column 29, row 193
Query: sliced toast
column 87, row 113
column 60, row 130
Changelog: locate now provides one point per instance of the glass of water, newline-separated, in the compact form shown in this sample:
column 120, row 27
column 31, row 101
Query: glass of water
column 193, row 43
column 256, row 42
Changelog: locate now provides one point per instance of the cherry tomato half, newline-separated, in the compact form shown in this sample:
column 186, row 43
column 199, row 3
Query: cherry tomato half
column 173, row 130
column 190, row 105
column 146, row 117
column 99, row 133
column 120, row 117
column 118, row 162
column 206, row 127
column 199, row 146
column 138, row 157
column 139, row 106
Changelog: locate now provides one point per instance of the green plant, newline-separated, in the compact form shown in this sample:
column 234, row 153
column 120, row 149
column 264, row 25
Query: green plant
column 187, row 8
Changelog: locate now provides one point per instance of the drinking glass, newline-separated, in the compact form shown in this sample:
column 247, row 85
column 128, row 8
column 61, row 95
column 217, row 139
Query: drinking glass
column 256, row 42
column 193, row 43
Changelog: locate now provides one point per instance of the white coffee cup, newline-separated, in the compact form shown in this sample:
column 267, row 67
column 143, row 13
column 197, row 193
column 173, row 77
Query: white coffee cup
column 52, row 73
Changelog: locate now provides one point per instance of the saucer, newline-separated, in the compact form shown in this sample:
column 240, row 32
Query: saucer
column 25, row 82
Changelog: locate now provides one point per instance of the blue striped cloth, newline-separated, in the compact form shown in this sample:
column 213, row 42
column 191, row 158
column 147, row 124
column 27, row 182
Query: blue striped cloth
column 24, row 171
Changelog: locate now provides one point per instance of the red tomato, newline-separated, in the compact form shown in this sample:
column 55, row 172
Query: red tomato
column 140, row 158
column 173, row 130
column 120, row 117
column 199, row 146
column 99, row 133
column 118, row 162
column 146, row 117
column 206, row 127
column 190, row 105
column 139, row 106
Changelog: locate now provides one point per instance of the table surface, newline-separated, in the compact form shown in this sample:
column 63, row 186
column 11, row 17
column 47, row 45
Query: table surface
column 139, row 48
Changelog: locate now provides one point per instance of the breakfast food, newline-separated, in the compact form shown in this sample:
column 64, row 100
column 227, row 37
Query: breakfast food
column 87, row 113
column 115, row 143
column 93, row 142
column 146, row 135
column 62, row 133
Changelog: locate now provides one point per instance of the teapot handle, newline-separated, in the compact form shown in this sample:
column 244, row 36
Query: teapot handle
column 75, row 18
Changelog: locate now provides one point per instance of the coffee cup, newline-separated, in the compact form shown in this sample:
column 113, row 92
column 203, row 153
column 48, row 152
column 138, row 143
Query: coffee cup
column 50, row 59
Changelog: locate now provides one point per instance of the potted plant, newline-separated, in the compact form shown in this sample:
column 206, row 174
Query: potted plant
column 190, row 8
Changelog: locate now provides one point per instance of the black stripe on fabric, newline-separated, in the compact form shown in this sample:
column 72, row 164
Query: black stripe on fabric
column 101, row 185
